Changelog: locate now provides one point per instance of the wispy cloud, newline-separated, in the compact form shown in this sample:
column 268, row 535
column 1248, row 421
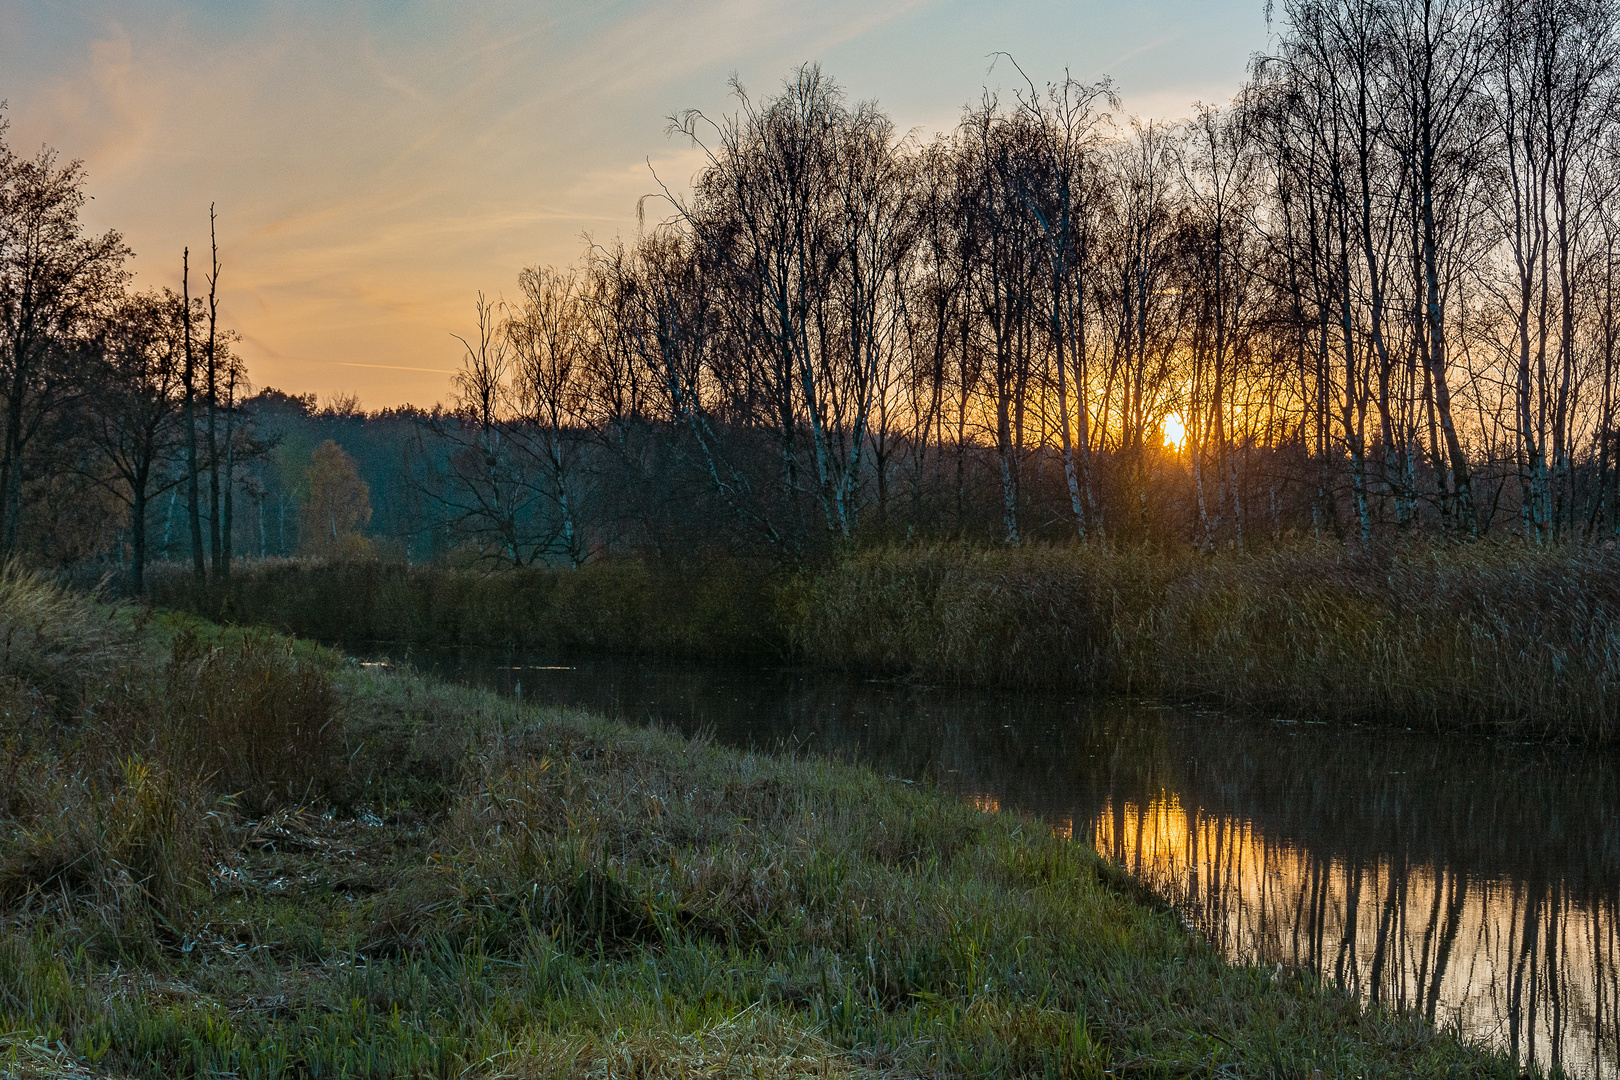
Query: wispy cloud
column 375, row 164
column 397, row 367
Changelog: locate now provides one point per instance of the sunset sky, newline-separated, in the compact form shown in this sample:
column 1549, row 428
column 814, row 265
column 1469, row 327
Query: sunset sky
column 377, row 163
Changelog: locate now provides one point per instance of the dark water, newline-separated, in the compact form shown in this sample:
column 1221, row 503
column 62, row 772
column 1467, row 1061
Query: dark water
column 1476, row 881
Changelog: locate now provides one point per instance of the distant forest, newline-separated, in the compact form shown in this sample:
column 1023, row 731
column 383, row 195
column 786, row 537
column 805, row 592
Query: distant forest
column 1373, row 296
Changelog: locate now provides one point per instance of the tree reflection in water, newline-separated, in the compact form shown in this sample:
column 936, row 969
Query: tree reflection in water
column 1512, row 961
column 1477, row 882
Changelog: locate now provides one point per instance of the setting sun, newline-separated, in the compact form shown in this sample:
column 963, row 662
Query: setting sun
column 1175, row 432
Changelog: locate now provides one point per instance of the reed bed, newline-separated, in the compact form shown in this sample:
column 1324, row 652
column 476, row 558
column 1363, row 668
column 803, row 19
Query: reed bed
column 456, row 886
column 1494, row 639
column 712, row 610
column 1499, row 639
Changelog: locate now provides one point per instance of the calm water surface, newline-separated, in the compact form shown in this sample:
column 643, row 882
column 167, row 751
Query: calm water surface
column 1478, row 882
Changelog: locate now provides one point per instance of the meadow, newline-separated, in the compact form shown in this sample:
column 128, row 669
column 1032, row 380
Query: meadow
column 228, row 852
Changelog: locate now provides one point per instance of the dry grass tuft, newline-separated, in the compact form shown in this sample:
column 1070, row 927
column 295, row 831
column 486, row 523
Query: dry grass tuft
column 130, row 746
column 754, row 1043
column 25, row 1056
column 112, row 845
column 258, row 720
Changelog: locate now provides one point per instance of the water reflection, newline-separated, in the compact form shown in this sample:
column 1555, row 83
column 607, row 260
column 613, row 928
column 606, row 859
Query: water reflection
column 1513, row 960
column 1476, row 882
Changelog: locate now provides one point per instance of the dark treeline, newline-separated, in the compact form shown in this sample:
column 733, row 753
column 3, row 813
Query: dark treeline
column 111, row 399
column 1372, row 296
column 128, row 430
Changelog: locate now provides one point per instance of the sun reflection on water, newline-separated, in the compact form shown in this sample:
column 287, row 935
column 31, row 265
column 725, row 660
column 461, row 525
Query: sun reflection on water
column 1510, row 963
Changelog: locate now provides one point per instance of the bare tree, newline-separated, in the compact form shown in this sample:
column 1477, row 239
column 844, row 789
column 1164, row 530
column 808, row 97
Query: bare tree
column 1061, row 188
column 547, row 336
column 804, row 211
column 1217, row 162
column 487, row 489
column 1438, row 50
column 135, row 411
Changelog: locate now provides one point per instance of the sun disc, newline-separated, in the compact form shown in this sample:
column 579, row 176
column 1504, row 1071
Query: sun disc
column 1175, row 432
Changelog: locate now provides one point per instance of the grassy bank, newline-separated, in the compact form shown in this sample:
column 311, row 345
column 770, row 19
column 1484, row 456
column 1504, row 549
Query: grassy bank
column 1490, row 639
column 226, row 853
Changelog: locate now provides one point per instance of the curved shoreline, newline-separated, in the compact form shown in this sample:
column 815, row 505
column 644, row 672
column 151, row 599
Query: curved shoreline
column 478, row 888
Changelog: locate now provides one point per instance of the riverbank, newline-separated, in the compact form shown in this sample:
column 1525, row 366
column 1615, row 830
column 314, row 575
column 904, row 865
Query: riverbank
column 1489, row 639
column 229, row 852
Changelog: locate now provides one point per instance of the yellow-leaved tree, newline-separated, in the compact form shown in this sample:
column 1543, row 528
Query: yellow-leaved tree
column 337, row 506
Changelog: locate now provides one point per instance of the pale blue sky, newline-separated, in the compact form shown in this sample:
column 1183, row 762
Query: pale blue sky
column 377, row 163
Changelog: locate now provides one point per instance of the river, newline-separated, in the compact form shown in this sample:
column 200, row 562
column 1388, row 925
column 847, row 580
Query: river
column 1476, row 881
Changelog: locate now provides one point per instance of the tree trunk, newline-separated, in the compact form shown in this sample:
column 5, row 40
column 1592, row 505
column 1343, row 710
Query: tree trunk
column 214, row 546
column 199, row 570
column 214, row 552
column 137, row 536
column 226, row 524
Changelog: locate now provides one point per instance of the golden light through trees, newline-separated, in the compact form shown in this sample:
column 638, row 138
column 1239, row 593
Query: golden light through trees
column 1175, row 432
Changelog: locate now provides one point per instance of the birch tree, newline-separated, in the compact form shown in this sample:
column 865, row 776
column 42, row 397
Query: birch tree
column 547, row 335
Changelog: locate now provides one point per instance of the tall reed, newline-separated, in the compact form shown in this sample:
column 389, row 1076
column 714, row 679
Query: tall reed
column 712, row 610
column 1497, row 639
column 1492, row 638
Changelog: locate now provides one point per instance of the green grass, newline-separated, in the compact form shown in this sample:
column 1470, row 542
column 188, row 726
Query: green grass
column 443, row 884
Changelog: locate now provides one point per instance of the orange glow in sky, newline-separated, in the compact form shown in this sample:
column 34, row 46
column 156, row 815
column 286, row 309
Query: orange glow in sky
column 377, row 164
